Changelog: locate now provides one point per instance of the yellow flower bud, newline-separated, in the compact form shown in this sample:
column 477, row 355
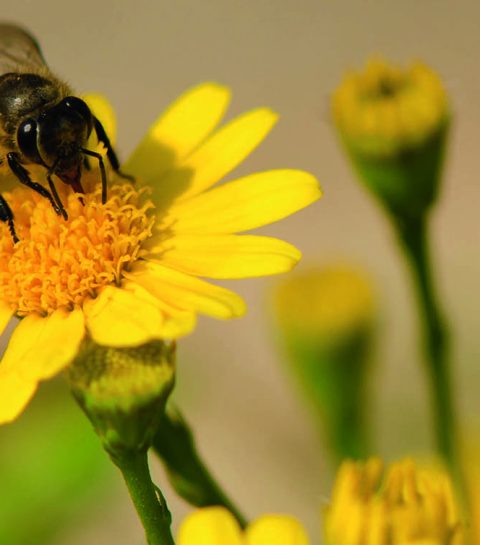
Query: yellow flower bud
column 327, row 303
column 393, row 124
column 385, row 110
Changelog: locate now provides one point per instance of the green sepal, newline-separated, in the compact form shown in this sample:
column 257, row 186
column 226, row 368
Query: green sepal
column 405, row 183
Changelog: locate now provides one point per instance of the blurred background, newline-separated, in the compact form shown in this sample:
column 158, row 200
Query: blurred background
column 252, row 427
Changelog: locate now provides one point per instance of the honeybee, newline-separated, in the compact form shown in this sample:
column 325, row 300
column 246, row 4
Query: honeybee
column 43, row 123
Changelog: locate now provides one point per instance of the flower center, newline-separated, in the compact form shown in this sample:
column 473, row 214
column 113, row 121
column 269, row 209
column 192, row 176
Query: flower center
column 58, row 263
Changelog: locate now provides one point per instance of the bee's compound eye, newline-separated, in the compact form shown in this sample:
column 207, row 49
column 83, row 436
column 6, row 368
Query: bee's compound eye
column 80, row 107
column 27, row 140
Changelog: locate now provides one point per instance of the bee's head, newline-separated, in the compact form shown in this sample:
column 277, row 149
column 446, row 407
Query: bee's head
column 56, row 137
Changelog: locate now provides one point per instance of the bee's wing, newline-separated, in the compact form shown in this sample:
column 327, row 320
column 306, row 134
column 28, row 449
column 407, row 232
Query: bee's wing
column 19, row 51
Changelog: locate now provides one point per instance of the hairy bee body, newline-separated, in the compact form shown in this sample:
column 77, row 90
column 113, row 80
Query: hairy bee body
column 42, row 123
column 27, row 86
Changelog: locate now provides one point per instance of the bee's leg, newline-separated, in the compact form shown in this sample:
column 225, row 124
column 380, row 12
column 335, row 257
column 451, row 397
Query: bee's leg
column 56, row 196
column 112, row 156
column 6, row 215
column 24, row 177
column 86, row 164
column 102, row 171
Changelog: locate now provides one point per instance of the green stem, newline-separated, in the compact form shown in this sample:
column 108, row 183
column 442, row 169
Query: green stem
column 188, row 474
column 414, row 237
column 147, row 498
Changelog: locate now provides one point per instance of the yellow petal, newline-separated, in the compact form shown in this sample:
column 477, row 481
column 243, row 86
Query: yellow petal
column 210, row 526
column 185, row 292
column 5, row 315
column 15, row 393
column 178, row 131
column 276, row 529
column 229, row 256
column 247, row 203
column 38, row 349
column 41, row 347
column 176, row 323
column 120, row 318
column 218, row 156
column 104, row 112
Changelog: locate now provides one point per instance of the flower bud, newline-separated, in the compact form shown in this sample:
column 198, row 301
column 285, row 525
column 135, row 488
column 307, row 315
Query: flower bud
column 123, row 391
column 326, row 319
column 393, row 124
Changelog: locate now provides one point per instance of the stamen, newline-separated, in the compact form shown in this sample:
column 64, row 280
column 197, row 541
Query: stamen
column 58, row 263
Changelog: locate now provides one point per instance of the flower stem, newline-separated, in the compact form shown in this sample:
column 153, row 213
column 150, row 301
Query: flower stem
column 147, row 498
column 414, row 238
column 174, row 444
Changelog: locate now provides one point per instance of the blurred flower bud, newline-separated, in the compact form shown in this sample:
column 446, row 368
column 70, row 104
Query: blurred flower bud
column 393, row 124
column 326, row 319
column 404, row 505
column 123, row 391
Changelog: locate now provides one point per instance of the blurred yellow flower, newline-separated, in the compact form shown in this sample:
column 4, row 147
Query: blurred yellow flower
column 127, row 272
column 325, row 302
column 216, row 526
column 404, row 506
column 384, row 109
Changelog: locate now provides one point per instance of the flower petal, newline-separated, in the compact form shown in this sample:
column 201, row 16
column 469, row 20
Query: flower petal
column 246, row 203
column 229, row 256
column 41, row 347
column 178, row 131
column 120, row 318
column 218, row 156
column 15, row 393
column 278, row 529
column 6, row 314
column 210, row 526
column 185, row 292
column 130, row 316
column 38, row 349
column 104, row 112
column 176, row 323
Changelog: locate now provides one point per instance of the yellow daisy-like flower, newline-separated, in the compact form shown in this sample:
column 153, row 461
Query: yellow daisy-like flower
column 216, row 526
column 404, row 506
column 129, row 271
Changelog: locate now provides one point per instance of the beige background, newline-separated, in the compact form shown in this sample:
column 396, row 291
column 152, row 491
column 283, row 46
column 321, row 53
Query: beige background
column 289, row 55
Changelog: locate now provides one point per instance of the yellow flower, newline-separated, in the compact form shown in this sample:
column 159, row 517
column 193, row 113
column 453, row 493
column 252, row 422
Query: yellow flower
column 385, row 109
column 405, row 506
column 216, row 526
column 129, row 271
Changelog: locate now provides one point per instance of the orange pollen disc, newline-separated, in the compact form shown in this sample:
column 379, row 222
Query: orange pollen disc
column 59, row 263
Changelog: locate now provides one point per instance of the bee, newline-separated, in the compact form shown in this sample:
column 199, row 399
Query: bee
column 43, row 123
